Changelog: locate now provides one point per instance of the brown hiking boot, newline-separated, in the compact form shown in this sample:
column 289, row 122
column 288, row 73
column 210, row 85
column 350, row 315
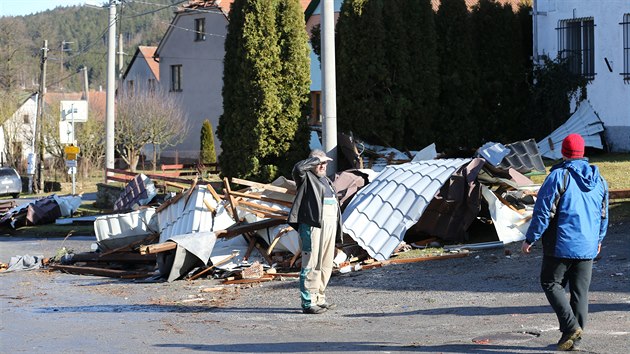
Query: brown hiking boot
column 566, row 341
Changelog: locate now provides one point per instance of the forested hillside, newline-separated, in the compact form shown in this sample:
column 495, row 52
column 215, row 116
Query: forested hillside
column 77, row 37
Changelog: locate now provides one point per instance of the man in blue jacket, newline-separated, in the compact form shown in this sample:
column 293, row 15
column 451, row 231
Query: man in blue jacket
column 315, row 214
column 571, row 217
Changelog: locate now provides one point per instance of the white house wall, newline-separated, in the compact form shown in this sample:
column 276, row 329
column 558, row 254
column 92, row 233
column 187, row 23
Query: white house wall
column 608, row 94
column 139, row 73
column 16, row 130
column 202, row 75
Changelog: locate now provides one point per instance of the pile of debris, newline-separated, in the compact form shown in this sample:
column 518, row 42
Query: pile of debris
column 404, row 201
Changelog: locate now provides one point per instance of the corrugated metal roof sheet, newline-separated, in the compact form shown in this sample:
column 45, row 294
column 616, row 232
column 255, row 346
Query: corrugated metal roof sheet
column 524, row 157
column 380, row 214
column 493, row 152
column 584, row 122
column 189, row 215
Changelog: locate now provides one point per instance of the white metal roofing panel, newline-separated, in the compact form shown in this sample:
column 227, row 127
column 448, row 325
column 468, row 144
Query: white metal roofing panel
column 123, row 225
column 381, row 212
column 189, row 216
column 584, row 122
column 493, row 152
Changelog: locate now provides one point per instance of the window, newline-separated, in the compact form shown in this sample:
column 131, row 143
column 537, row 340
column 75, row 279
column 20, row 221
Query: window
column 130, row 87
column 151, row 84
column 200, row 29
column 626, row 47
column 27, row 119
column 176, row 77
column 576, row 44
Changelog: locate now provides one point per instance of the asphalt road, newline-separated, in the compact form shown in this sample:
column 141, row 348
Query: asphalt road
column 488, row 302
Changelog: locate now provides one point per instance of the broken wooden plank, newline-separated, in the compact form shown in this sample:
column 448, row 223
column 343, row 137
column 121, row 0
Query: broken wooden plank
column 214, row 193
column 413, row 260
column 267, row 277
column 262, row 186
column 104, row 272
column 158, row 247
column 231, row 199
column 223, row 261
column 120, row 257
column 264, row 208
column 208, row 206
column 263, row 198
column 284, row 275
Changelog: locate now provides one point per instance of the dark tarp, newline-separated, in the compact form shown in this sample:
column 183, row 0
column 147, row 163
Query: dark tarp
column 453, row 209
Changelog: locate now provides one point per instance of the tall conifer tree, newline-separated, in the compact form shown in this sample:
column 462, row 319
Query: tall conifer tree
column 423, row 81
column 362, row 70
column 265, row 75
column 457, row 126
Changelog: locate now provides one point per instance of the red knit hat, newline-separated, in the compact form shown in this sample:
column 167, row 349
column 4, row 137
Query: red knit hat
column 573, row 146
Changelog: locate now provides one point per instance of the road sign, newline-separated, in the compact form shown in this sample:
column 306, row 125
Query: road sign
column 76, row 111
column 70, row 149
column 71, row 163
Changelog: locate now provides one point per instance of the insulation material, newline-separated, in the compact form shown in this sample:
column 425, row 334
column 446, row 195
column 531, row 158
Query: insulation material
column 510, row 225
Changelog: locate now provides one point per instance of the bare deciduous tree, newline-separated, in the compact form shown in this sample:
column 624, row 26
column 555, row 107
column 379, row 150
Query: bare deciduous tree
column 143, row 118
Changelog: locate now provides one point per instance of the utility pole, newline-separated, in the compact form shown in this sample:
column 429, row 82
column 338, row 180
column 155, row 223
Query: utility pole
column 63, row 49
column 86, row 89
column 329, row 88
column 111, row 87
column 40, row 119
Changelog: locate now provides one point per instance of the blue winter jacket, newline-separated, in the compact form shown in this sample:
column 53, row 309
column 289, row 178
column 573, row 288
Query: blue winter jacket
column 581, row 212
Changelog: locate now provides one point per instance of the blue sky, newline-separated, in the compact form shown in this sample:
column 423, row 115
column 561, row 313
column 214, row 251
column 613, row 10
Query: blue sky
column 27, row 7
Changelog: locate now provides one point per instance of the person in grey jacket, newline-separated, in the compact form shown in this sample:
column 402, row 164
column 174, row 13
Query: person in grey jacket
column 571, row 217
column 315, row 214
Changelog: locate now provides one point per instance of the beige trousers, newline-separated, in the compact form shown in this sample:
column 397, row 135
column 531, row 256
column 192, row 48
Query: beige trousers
column 318, row 251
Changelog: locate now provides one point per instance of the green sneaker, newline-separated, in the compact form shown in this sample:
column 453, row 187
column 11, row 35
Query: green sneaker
column 566, row 341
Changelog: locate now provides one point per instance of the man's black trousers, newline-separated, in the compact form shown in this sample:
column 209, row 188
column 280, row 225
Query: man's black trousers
column 554, row 276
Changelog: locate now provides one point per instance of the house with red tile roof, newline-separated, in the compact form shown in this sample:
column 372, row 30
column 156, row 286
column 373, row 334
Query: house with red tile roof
column 190, row 57
column 17, row 134
column 143, row 72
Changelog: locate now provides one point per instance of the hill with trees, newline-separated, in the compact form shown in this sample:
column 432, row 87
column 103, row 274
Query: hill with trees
column 77, row 37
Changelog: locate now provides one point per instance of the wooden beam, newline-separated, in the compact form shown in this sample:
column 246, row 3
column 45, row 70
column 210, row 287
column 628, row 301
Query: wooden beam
column 264, row 207
column 214, row 193
column 413, row 260
column 120, row 257
column 266, row 277
column 231, row 199
column 619, row 194
column 263, row 198
column 268, row 187
column 104, row 272
column 158, row 247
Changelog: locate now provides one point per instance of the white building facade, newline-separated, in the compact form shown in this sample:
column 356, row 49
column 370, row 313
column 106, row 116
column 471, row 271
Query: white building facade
column 191, row 56
column 595, row 37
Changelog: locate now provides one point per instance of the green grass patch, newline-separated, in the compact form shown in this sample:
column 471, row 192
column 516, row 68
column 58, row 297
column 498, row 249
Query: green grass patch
column 421, row 252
